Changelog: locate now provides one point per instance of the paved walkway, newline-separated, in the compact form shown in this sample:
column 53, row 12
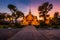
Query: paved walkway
column 29, row 33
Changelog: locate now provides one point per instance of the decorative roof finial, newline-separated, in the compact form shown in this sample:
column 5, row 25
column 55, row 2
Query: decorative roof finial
column 29, row 11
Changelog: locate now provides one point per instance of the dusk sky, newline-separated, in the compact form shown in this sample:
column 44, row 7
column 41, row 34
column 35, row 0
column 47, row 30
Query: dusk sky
column 25, row 5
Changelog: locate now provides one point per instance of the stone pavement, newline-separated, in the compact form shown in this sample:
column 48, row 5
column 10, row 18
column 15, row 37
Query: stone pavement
column 29, row 33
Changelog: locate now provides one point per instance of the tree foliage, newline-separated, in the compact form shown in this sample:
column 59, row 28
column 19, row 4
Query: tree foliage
column 12, row 7
column 15, row 12
column 45, row 8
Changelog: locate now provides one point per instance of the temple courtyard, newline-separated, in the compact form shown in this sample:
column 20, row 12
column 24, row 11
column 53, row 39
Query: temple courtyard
column 29, row 33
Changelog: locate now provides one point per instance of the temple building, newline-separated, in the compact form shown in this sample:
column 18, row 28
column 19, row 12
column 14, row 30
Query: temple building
column 30, row 19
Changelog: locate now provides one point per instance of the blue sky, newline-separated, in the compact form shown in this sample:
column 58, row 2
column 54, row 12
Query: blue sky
column 24, row 5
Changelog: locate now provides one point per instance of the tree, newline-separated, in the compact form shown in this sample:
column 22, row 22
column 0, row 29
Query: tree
column 12, row 7
column 44, row 9
column 15, row 13
column 56, row 14
column 55, row 19
column 19, row 14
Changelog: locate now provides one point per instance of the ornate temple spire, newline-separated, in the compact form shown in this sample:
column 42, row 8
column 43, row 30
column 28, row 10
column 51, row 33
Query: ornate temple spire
column 29, row 11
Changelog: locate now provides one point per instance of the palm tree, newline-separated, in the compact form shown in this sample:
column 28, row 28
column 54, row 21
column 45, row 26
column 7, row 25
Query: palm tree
column 44, row 9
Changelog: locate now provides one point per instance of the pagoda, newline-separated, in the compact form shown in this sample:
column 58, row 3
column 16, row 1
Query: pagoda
column 30, row 19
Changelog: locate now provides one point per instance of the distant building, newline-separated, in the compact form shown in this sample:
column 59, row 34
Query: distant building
column 30, row 19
